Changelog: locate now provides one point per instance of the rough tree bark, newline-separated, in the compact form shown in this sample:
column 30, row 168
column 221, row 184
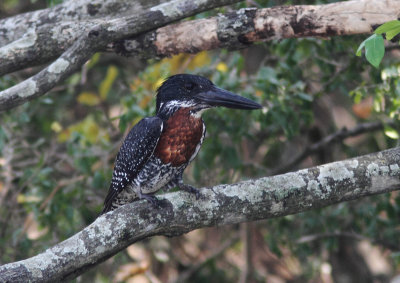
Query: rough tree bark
column 44, row 41
column 241, row 28
column 180, row 212
column 104, row 32
column 234, row 30
column 15, row 27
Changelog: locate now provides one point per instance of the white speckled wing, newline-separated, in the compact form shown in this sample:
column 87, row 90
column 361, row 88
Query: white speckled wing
column 135, row 151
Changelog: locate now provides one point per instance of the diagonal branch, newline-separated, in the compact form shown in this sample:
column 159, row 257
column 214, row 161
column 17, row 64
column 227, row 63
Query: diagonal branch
column 40, row 36
column 338, row 136
column 97, row 39
column 180, row 212
column 351, row 235
column 195, row 268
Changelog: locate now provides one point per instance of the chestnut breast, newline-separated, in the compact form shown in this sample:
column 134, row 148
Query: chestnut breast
column 181, row 134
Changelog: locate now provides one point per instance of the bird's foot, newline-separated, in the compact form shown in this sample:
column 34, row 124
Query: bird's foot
column 190, row 189
column 155, row 202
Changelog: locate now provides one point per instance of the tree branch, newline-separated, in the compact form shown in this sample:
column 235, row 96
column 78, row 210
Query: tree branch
column 338, row 136
column 351, row 235
column 196, row 267
column 241, row 28
column 33, row 38
column 70, row 11
column 97, row 39
column 233, row 30
column 180, row 212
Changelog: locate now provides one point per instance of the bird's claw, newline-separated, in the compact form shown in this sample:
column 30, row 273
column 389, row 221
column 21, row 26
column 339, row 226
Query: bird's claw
column 191, row 190
column 155, row 202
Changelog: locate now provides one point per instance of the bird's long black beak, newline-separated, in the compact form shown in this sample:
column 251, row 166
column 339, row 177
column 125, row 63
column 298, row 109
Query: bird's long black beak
column 221, row 97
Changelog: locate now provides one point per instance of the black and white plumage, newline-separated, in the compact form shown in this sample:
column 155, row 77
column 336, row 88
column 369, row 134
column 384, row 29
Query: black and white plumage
column 157, row 150
column 135, row 151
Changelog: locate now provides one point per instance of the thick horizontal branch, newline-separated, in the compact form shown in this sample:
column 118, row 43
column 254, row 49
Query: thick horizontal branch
column 73, row 11
column 233, row 30
column 97, row 39
column 238, row 29
column 180, row 212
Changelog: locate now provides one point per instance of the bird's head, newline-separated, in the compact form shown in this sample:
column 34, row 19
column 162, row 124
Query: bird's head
column 198, row 93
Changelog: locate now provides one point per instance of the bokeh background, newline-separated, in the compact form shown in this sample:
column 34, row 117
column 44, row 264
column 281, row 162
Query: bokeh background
column 57, row 154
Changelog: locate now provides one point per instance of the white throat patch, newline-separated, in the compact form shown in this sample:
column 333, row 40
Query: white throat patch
column 198, row 113
column 176, row 103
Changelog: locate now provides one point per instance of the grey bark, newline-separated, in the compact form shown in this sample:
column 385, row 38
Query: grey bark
column 69, row 11
column 88, row 28
column 180, row 212
column 241, row 28
column 44, row 40
column 38, row 37
column 96, row 39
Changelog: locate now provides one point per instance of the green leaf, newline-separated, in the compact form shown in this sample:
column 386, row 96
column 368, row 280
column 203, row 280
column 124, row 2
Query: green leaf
column 391, row 29
column 268, row 74
column 386, row 27
column 374, row 49
column 305, row 96
column 362, row 45
column 392, row 33
column 391, row 133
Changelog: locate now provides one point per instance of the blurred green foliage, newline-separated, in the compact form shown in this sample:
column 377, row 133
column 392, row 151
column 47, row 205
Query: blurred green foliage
column 57, row 151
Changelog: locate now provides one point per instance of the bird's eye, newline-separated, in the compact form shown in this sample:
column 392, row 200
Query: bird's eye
column 189, row 86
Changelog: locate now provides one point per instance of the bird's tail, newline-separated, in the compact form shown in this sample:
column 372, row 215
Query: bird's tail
column 116, row 201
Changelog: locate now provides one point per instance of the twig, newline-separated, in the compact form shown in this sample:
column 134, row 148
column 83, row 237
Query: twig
column 352, row 235
column 247, row 271
column 8, row 155
column 29, row 219
column 185, row 276
column 335, row 137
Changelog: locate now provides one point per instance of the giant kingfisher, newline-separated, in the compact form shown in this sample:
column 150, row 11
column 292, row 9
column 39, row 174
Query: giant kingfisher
column 157, row 149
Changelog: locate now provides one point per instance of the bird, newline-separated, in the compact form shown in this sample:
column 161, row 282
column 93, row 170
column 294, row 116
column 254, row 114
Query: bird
column 157, row 149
